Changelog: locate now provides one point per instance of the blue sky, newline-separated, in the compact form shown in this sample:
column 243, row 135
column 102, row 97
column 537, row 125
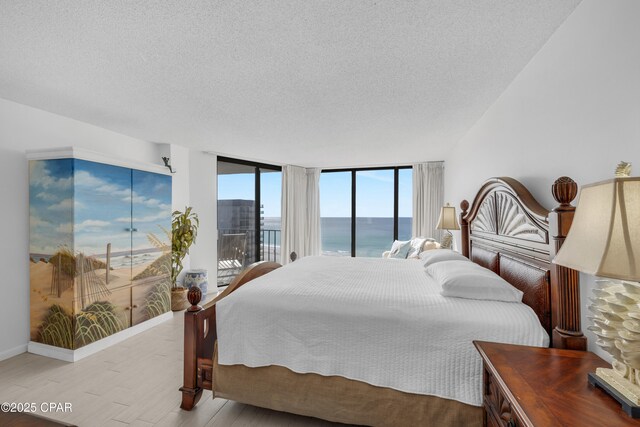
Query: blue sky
column 242, row 186
column 50, row 205
column 374, row 193
column 96, row 207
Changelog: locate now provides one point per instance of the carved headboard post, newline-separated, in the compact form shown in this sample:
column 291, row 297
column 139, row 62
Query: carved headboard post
column 566, row 290
column 464, row 228
column 508, row 232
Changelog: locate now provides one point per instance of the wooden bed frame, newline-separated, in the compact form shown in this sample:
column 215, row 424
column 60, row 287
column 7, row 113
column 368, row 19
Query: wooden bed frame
column 505, row 229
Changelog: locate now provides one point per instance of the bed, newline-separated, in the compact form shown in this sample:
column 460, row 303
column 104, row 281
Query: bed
column 301, row 339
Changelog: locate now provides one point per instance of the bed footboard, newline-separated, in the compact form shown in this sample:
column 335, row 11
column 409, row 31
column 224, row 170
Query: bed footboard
column 200, row 335
column 199, row 338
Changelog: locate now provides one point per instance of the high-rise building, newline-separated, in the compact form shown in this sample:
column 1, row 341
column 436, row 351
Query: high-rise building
column 238, row 216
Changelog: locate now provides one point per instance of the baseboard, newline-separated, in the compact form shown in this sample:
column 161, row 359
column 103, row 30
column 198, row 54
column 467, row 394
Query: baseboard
column 75, row 355
column 7, row 354
column 51, row 351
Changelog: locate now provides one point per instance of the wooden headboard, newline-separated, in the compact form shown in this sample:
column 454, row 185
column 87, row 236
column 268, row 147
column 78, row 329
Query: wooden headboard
column 507, row 231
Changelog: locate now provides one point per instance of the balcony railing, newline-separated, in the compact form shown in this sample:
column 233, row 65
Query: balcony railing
column 270, row 245
column 269, row 248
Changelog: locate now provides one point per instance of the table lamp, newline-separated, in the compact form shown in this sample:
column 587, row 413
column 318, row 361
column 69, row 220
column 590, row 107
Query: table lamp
column 604, row 240
column 447, row 221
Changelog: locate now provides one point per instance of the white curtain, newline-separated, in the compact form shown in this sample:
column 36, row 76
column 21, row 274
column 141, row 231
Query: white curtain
column 300, row 212
column 428, row 198
column 312, row 241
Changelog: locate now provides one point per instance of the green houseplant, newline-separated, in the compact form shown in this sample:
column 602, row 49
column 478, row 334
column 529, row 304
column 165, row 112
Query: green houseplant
column 184, row 229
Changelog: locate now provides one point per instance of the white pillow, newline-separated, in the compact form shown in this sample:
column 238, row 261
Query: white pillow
column 469, row 280
column 430, row 244
column 399, row 245
column 416, row 247
column 420, row 244
column 396, row 245
column 438, row 255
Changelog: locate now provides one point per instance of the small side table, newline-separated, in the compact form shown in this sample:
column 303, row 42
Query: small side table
column 533, row 386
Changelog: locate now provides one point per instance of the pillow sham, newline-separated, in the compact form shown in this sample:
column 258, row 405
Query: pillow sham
column 462, row 279
column 438, row 255
column 400, row 249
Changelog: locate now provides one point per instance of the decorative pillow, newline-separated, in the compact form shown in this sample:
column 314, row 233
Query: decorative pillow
column 438, row 255
column 396, row 244
column 462, row 279
column 430, row 244
column 416, row 247
column 400, row 249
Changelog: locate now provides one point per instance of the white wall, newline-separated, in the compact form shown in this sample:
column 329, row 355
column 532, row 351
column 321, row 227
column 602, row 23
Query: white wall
column 203, row 197
column 23, row 128
column 179, row 160
column 195, row 185
column 574, row 110
column 179, row 157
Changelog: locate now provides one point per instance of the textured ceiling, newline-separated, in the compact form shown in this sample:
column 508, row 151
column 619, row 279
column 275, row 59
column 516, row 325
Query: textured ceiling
column 313, row 83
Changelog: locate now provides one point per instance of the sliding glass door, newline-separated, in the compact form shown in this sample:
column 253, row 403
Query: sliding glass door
column 362, row 211
column 374, row 212
column 248, row 215
column 270, row 202
column 335, row 213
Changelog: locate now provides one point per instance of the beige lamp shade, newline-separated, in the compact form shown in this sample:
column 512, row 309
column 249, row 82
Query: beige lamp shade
column 448, row 219
column 604, row 238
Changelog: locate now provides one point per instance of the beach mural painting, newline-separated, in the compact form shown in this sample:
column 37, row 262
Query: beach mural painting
column 99, row 249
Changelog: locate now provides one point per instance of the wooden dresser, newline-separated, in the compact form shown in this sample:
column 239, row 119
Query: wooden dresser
column 531, row 386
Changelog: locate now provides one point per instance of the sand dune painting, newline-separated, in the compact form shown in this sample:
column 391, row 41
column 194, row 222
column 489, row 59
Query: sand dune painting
column 99, row 249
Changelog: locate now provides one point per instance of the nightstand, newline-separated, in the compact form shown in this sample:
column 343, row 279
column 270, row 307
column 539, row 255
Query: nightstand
column 532, row 386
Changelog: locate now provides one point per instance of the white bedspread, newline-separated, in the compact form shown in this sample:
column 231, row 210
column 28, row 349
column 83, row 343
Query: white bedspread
column 380, row 321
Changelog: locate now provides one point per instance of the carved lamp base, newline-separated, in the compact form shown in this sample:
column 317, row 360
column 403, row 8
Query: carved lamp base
column 620, row 383
column 620, row 388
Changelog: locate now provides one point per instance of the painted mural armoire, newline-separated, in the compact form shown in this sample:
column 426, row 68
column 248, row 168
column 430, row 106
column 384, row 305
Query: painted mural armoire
column 99, row 246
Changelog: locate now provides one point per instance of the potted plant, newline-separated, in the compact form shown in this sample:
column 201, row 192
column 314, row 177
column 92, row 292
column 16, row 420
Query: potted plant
column 184, row 229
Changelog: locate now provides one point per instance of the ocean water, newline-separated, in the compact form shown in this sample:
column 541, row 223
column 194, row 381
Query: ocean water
column 118, row 259
column 373, row 235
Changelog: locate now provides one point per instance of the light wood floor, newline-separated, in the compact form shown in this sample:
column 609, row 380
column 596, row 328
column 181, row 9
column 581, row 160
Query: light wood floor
column 134, row 383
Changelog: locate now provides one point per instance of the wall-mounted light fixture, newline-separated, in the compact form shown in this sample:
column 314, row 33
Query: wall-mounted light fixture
column 167, row 163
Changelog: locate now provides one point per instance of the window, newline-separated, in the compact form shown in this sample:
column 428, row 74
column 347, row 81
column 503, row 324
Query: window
column 362, row 211
column 375, row 219
column 335, row 213
column 270, row 204
column 248, row 215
